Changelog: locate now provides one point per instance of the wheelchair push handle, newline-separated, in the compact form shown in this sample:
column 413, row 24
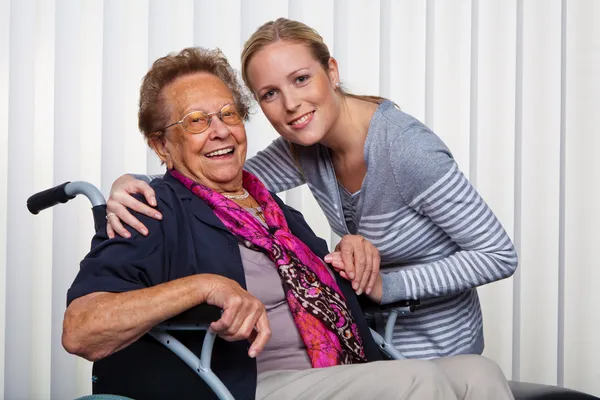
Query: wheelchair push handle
column 48, row 198
column 63, row 193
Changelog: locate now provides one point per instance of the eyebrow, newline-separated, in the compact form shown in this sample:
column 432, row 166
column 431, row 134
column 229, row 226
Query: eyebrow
column 288, row 76
column 192, row 109
column 296, row 71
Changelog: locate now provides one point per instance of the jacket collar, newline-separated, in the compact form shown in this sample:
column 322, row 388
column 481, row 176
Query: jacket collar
column 196, row 205
column 204, row 213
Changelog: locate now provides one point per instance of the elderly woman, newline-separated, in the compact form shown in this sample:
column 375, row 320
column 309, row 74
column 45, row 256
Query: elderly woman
column 226, row 241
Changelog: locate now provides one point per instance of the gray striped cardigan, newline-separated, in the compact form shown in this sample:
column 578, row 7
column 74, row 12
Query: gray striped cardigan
column 437, row 238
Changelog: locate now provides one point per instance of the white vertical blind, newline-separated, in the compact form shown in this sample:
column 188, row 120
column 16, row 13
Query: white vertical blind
column 402, row 54
column 493, row 168
column 78, row 137
column 171, row 28
column 450, row 96
column 4, row 100
column 511, row 86
column 124, row 63
column 540, row 185
column 582, row 196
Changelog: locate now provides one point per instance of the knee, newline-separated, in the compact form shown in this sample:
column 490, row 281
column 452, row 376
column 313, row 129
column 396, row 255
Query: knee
column 482, row 369
column 422, row 373
column 484, row 378
column 416, row 370
column 426, row 371
column 415, row 379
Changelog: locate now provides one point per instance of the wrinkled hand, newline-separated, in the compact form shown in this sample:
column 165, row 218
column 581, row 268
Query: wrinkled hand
column 121, row 198
column 357, row 260
column 244, row 316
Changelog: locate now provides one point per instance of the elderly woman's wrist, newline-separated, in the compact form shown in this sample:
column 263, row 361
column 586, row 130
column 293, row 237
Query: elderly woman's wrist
column 207, row 286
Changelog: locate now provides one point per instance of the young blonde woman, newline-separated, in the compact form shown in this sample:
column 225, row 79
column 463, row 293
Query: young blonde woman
column 382, row 178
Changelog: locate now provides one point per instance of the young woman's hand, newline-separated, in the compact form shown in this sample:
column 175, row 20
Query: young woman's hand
column 357, row 260
column 121, row 198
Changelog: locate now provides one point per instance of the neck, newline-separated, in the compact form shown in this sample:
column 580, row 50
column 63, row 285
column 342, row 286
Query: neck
column 348, row 134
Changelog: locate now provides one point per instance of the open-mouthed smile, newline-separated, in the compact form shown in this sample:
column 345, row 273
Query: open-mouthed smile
column 221, row 153
column 301, row 122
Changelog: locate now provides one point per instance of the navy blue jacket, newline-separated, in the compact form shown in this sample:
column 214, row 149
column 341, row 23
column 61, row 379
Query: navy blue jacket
column 189, row 240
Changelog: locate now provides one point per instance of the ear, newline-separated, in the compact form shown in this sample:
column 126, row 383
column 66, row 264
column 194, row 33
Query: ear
column 333, row 72
column 161, row 148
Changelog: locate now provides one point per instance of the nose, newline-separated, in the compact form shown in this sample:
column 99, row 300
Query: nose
column 291, row 101
column 218, row 129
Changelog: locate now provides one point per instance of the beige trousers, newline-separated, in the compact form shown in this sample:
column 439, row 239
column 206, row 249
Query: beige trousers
column 468, row 377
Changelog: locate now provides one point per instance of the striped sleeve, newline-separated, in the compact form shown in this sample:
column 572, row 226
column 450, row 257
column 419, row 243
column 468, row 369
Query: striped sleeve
column 431, row 183
column 275, row 167
column 146, row 178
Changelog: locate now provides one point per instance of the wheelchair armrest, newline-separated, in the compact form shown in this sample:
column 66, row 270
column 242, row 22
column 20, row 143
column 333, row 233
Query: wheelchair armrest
column 202, row 314
column 411, row 305
column 195, row 319
column 370, row 307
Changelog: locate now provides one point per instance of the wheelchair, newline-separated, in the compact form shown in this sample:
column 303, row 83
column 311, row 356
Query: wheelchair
column 200, row 317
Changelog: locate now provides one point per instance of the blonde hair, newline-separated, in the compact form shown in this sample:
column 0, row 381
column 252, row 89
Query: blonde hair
column 295, row 32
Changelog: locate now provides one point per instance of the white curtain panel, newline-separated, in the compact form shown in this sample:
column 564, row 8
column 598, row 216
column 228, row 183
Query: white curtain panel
column 513, row 88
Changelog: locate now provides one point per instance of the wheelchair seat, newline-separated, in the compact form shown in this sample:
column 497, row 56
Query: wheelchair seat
column 535, row 391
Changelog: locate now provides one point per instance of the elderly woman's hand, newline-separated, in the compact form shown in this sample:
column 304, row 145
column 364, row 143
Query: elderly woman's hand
column 357, row 260
column 244, row 316
column 121, row 198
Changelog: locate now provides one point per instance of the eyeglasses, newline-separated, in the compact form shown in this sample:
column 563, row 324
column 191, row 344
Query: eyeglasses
column 199, row 121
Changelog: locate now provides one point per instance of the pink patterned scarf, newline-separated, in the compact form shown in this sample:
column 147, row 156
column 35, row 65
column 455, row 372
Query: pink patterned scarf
column 319, row 309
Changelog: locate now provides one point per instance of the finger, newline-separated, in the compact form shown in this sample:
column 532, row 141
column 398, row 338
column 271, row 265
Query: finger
column 234, row 308
column 334, row 257
column 116, row 226
column 109, row 230
column 127, row 200
column 247, row 327
column 366, row 275
column 374, row 273
column 221, row 326
column 122, row 215
column 338, row 266
column 148, row 193
column 343, row 275
column 347, row 259
column 360, row 264
column 263, row 329
column 241, row 316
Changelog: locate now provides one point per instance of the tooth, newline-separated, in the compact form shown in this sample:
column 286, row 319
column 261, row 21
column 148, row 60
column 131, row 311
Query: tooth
column 219, row 152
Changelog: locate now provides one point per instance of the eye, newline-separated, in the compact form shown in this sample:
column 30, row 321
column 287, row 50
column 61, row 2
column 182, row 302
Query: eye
column 302, row 79
column 269, row 94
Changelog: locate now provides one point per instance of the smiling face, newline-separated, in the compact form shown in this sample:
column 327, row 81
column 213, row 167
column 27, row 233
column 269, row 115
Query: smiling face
column 215, row 157
column 294, row 91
